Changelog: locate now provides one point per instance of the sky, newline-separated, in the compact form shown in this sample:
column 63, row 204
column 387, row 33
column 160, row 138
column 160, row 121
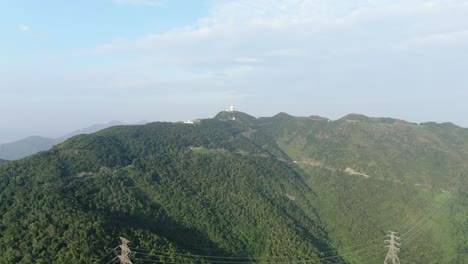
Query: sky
column 65, row 65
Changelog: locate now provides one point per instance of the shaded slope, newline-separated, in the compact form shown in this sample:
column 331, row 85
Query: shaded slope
column 204, row 189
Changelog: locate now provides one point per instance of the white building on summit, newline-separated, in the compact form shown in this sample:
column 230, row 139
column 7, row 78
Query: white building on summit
column 230, row 109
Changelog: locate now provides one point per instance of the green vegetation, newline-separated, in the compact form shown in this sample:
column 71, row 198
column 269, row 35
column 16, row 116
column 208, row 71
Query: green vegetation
column 416, row 183
column 202, row 189
column 282, row 189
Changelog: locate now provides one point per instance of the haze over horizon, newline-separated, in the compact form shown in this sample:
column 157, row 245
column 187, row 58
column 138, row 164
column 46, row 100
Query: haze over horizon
column 67, row 65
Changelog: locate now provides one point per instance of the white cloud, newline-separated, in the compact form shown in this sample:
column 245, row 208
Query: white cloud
column 140, row 2
column 32, row 33
column 268, row 34
column 275, row 24
column 314, row 48
column 23, row 28
column 327, row 57
column 246, row 60
column 446, row 38
column 288, row 52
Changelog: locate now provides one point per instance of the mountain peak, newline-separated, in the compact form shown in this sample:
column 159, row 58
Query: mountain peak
column 354, row 118
column 234, row 115
column 282, row 115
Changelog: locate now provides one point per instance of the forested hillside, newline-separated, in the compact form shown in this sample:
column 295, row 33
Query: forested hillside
column 373, row 175
column 237, row 189
column 427, row 154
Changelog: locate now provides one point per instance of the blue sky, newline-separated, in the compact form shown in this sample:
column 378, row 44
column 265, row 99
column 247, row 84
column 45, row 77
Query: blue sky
column 65, row 65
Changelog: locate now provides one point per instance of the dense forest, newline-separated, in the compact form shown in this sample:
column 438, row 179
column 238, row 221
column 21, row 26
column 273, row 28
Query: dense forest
column 237, row 189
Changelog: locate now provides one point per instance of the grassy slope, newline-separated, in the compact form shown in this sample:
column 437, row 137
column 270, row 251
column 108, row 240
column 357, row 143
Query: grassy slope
column 413, row 186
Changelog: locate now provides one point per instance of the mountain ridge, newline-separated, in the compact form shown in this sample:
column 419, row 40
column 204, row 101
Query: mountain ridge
column 31, row 145
column 117, row 153
column 257, row 188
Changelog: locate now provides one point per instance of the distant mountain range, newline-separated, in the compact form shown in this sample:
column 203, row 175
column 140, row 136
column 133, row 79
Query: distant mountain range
column 34, row 144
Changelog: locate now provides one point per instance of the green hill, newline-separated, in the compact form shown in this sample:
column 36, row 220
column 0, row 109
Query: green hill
column 235, row 116
column 201, row 189
column 381, row 148
column 3, row 161
column 373, row 175
column 237, row 189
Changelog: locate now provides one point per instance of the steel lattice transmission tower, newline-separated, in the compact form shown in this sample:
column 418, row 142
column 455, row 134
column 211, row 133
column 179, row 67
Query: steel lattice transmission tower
column 393, row 244
column 125, row 252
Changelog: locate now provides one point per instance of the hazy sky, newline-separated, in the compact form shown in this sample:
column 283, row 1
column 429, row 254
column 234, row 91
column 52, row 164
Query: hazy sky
column 65, row 65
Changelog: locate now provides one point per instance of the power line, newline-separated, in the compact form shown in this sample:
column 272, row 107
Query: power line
column 112, row 260
column 99, row 260
column 156, row 261
column 194, row 255
column 237, row 260
column 413, row 226
column 420, row 229
column 213, row 260
column 429, row 209
column 278, row 259
column 430, row 216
